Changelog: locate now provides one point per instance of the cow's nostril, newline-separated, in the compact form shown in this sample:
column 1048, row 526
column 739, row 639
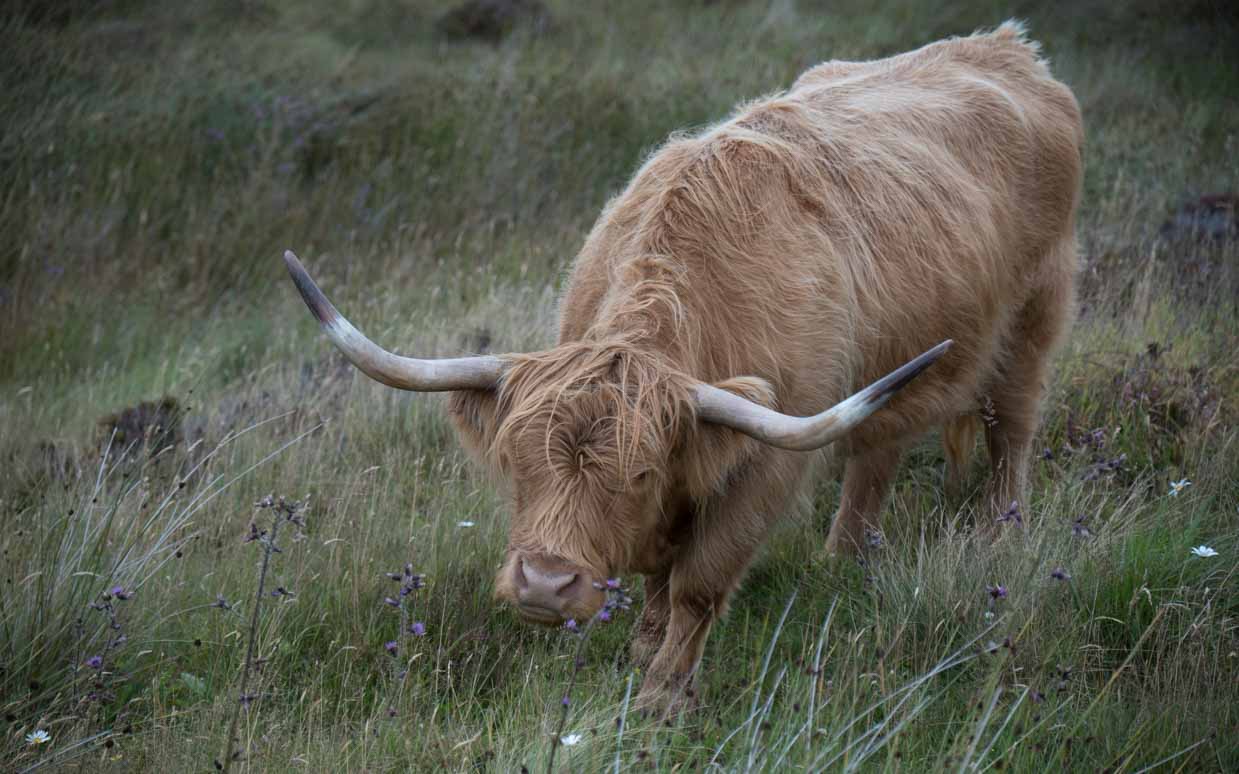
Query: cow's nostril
column 542, row 582
column 569, row 588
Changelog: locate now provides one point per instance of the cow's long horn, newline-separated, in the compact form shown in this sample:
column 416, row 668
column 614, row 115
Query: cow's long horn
column 403, row 373
column 807, row 433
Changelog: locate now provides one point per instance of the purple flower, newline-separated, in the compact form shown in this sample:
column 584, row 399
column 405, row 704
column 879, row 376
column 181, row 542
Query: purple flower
column 94, row 662
column 571, row 625
column 565, row 701
column 604, row 615
column 417, row 629
column 120, row 593
column 392, row 602
column 391, row 647
column 1012, row 513
column 613, row 583
column 998, row 591
column 1060, row 574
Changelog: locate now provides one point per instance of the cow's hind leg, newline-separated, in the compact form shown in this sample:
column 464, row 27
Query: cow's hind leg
column 1016, row 394
column 866, row 482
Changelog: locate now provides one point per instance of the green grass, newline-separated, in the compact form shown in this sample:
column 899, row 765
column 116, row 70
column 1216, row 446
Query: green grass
column 154, row 162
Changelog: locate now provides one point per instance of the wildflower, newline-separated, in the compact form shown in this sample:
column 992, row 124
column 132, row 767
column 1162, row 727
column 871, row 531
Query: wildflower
column 38, row 737
column 1012, row 513
column 873, row 538
column 1204, row 551
column 1060, row 574
column 120, row 593
column 391, row 647
column 571, row 625
column 989, row 615
column 565, row 701
column 570, row 740
column 997, row 592
column 1078, row 529
column 94, row 662
column 613, row 583
column 604, row 615
column 392, row 602
column 417, row 629
column 465, row 524
column 1179, row 486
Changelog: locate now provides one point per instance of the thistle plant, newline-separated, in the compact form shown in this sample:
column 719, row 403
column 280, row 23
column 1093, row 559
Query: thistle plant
column 617, row 600
column 281, row 511
column 404, row 601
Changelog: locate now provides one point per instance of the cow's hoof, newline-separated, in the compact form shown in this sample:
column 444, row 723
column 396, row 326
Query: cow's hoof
column 665, row 700
column 841, row 549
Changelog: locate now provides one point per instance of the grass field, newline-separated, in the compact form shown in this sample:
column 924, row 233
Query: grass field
column 156, row 159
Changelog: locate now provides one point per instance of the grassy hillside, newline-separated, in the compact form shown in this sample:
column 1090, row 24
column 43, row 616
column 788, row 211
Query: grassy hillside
column 155, row 160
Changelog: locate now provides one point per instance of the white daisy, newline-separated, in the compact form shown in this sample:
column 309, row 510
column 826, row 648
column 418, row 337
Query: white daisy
column 569, row 740
column 1178, row 486
column 1204, row 551
column 38, row 737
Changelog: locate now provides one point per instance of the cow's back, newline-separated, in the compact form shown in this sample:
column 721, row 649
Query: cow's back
column 821, row 237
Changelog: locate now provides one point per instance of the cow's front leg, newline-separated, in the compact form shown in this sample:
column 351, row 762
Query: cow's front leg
column 655, row 614
column 701, row 582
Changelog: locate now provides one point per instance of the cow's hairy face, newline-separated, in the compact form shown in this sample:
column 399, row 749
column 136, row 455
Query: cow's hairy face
column 587, row 443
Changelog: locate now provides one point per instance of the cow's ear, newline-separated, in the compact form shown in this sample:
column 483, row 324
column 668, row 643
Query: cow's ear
column 475, row 415
column 717, row 454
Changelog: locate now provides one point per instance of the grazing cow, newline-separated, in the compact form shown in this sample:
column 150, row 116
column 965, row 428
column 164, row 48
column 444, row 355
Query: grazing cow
column 749, row 277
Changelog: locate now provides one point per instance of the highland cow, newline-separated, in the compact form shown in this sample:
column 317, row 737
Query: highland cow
column 747, row 279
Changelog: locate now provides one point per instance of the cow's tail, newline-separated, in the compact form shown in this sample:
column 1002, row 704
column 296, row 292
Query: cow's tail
column 959, row 437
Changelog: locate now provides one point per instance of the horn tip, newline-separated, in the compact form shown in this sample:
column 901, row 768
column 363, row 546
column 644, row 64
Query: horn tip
column 319, row 306
column 910, row 371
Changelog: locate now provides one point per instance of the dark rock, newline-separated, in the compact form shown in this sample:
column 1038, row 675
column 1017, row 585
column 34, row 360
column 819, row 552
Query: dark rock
column 155, row 425
column 491, row 20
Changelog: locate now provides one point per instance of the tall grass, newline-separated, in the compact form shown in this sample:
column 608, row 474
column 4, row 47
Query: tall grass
column 157, row 159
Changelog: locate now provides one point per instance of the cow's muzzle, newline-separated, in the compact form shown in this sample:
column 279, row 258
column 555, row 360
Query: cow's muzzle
column 549, row 591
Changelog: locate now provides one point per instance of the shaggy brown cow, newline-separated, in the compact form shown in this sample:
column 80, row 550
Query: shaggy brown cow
column 756, row 273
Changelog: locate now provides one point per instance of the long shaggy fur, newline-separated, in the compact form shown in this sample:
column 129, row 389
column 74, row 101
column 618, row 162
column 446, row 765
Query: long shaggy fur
column 812, row 242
